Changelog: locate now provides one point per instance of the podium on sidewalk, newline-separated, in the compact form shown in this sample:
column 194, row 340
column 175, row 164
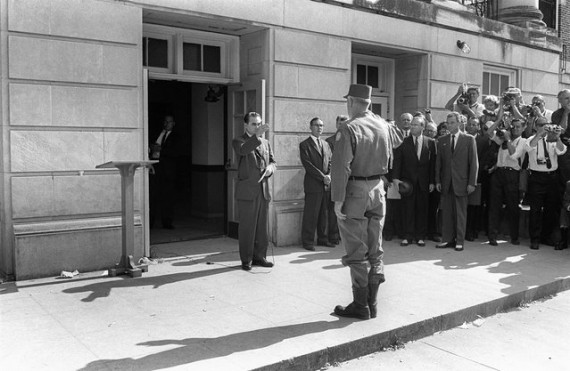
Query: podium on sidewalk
column 127, row 170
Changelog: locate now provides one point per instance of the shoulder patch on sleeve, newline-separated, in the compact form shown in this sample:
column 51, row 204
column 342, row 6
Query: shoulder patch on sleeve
column 337, row 136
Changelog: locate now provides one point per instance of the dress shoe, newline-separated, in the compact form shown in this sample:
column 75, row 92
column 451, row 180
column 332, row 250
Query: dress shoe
column 310, row 248
column 262, row 263
column 404, row 242
column 325, row 244
column 515, row 242
column 421, row 243
column 246, row 266
column 445, row 245
column 493, row 242
column 558, row 246
column 534, row 245
column 388, row 237
column 459, row 248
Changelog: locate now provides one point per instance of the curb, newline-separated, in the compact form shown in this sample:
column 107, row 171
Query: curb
column 415, row 331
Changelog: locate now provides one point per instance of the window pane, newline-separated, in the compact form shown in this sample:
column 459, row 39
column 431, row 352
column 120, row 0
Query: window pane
column 192, row 57
column 486, row 83
column 212, row 61
column 495, row 84
column 239, row 103
column 144, row 51
column 504, row 83
column 251, row 101
column 157, row 53
column 373, row 76
column 377, row 108
column 360, row 74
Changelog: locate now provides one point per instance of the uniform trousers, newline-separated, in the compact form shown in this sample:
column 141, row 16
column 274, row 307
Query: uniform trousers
column 252, row 228
column 315, row 216
column 361, row 231
column 454, row 217
column 504, row 190
column 544, row 199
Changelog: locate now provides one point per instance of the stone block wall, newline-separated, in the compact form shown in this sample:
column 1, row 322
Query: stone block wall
column 72, row 101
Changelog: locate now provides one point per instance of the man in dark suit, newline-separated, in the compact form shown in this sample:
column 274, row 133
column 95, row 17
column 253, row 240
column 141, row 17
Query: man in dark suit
column 255, row 166
column 456, row 177
column 334, row 235
column 414, row 161
column 315, row 156
column 162, row 182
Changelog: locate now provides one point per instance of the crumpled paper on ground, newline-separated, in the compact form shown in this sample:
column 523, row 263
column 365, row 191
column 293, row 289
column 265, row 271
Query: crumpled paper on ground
column 477, row 323
column 147, row 261
column 66, row 274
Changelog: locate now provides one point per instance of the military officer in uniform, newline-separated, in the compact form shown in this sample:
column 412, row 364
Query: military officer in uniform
column 363, row 146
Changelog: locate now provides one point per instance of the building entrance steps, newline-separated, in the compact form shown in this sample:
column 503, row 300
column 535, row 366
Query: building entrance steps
column 197, row 310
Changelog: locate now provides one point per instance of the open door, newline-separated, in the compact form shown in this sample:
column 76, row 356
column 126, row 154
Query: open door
column 243, row 98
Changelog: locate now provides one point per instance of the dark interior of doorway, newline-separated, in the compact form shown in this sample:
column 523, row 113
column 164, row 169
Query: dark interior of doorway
column 193, row 217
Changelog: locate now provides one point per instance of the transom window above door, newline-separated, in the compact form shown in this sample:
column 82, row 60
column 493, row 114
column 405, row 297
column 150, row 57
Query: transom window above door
column 191, row 55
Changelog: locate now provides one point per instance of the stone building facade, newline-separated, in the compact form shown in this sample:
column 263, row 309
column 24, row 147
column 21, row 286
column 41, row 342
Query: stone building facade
column 82, row 83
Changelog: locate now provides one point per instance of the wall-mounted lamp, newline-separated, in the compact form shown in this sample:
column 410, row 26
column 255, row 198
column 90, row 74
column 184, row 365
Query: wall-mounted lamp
column 214, row 95
column 463, row 46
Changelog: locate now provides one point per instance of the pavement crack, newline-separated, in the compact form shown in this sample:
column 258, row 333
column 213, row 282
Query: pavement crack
column 460, row 356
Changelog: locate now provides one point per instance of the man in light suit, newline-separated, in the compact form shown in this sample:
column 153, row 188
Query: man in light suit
column 255, row 166
column 456, row 177
column 315, row 156
column 414, row 161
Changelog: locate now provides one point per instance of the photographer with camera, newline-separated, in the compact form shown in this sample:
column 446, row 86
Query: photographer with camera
column 512, row 103
column 504, row 184
column 543, row 194
column 533, row 111
column 465, row 101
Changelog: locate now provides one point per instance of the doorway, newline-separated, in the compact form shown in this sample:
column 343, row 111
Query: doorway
column 197, row 191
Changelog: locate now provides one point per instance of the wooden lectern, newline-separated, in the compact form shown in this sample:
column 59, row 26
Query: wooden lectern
column 127, row 170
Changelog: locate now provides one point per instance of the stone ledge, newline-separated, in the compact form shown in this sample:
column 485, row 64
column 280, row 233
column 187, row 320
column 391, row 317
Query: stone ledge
column 58, row 226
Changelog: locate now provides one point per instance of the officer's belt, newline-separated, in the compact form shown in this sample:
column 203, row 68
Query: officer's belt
column 372, row 177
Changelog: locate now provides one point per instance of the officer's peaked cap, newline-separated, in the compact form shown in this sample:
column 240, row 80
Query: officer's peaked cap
column 359, row 91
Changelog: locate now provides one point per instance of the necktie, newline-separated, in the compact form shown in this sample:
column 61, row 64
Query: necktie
column 417, row 140
column 320, row 145
column 164, row 138
column 452, row 143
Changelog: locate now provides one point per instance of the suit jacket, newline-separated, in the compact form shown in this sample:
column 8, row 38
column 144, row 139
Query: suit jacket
column 407, row 166
column 459, row 167
column 254, row 155
column 316, row 165
column 486, row 156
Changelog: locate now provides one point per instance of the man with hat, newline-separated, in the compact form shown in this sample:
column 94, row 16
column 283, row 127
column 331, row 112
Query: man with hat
column 363, row 147
column 414, row 161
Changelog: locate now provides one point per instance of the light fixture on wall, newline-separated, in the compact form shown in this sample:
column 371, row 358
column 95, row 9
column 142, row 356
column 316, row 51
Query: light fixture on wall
column 463, row 46
column 214, row 93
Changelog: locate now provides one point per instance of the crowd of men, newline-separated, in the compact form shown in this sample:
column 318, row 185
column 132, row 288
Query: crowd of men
column 463, row 179
column 415, row 180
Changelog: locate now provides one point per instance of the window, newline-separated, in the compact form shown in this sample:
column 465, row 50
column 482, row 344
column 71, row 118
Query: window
column 549, row 13
column 496, row 80
column 191, row 55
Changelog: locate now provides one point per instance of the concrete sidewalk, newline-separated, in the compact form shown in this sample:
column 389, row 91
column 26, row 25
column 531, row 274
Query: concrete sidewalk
column 197, row 310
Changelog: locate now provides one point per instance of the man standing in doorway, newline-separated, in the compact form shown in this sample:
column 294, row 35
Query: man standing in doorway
column 456, row 177
column 363, row 147
column 255, row 165
column 315, row 156
column 166, row 150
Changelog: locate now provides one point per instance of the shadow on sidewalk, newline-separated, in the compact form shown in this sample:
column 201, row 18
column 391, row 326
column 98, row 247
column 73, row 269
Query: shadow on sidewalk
column 103, row 289
column 192, row 349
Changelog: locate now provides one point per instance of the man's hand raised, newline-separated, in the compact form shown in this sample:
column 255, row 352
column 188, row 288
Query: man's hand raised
column 261, row 129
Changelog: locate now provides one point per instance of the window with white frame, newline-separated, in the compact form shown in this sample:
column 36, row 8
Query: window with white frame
column 194, row 54
column 497, row 79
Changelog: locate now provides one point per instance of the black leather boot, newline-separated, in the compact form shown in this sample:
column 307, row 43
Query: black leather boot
column 359, row 306
column 372, row 298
